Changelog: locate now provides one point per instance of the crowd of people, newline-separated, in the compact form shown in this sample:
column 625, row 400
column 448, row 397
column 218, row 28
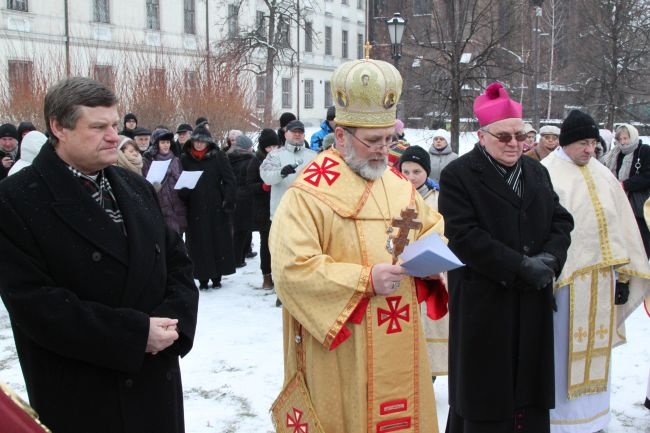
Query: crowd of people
column 103, row 268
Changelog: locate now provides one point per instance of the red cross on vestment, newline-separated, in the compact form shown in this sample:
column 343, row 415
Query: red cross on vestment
column 404, row 223
column 314, row 172
column 393, row 315
column 294, row 422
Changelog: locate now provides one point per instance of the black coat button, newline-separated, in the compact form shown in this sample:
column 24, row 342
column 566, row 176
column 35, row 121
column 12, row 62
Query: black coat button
column 526, row 248
column 169, row 375
column 96, row 256
column 128, row 383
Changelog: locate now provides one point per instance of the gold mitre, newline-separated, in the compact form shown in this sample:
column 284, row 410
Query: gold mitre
column 366, row 92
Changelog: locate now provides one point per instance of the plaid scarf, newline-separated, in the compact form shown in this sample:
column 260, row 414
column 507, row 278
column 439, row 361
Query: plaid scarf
column 100, row 190
column 512, row 175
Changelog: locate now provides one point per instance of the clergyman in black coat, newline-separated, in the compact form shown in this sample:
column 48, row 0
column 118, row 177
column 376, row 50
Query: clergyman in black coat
column 504, row 221
column 99, row 291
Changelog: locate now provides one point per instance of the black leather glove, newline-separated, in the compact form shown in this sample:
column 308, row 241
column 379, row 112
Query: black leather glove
column 535, row 273
column 549, row 260
column 287, row 170
column 622, row 293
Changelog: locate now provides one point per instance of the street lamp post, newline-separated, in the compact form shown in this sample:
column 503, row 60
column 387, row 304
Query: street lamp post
column 396, row 26
column 538, row 13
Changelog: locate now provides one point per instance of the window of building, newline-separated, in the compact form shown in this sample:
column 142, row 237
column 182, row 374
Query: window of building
column 101, row 11
column 233, row 21
column 283, row 32
column 261, row 90
column 379, row 8
column 20, row 77
column 328, row 41
column 153, row 15
column 286, row 93
column 191, row 79
column 422, row 7
column 189, row 15
column 309, row 35
column 344, row 2
column 360, row 4
column 359, row 46
column 260, row 25
column 344, row 44
column 309, row 93
column 327, row 97
column 104, row 74
column 17, row 5
column 157, row 79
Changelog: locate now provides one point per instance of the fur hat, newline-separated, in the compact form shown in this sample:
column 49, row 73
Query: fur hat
column 285, row 118
column 267, row 138
column 577, row 126
column 201, row 121
column 495, row 105
column 201, row 133
column 418, row 155
column 8, row 130
column 161, row 134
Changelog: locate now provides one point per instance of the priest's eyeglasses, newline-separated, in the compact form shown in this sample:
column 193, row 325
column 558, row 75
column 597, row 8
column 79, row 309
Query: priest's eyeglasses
column 374, row 146
column 504, row 137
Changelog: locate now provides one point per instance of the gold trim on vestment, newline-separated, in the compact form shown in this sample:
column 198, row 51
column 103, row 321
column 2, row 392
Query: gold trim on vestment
column 583, row 420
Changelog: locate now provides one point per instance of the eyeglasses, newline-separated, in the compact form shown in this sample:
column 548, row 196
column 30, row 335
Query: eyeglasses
column 376, row 146
column 507, row 138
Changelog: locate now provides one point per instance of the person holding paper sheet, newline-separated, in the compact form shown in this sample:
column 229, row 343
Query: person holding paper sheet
column 173, row 208
column 209, row 205
column 128, row 155
column 415, row 164
column 505, row 222
column 354, row 313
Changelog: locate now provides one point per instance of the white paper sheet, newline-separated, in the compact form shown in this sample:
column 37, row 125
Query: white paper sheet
column 188, row 179
column 157, row 171
column 428, row 256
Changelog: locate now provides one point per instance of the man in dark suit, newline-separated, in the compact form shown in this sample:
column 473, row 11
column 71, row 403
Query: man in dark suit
column 99, row 291
column 504, row 221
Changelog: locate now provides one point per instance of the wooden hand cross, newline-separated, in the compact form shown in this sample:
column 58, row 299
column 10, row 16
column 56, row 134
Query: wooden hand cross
column 404, row 223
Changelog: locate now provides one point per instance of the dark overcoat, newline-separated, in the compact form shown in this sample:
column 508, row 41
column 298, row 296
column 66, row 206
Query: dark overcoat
column 242, row 217
column 261, row 200
column 209, row 233
column 500, row 331
column 80, row 294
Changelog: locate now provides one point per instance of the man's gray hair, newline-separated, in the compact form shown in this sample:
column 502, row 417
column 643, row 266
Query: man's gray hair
column 63, row 100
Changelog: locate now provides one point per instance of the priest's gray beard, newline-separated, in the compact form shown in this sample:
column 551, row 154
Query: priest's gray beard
column 363, row 167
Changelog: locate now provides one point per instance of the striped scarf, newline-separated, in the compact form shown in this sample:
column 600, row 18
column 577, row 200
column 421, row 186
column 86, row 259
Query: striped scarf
column 512, row 175
column 100, row 190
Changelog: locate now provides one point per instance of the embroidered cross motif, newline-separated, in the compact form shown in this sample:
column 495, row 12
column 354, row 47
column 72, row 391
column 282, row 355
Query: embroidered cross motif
column 602, row 331
column 580, row 334
column 315, row 172
column 295, row 422
column 404, row 223
column 393, row 314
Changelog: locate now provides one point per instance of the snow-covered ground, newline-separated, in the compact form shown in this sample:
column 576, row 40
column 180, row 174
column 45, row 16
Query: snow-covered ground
column 234, row 372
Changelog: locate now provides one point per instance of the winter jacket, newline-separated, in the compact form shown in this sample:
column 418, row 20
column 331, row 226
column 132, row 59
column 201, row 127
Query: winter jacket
column 239, row 159
column 261, row 199
column 317, row 137
column 440, row 159
column 288, row 154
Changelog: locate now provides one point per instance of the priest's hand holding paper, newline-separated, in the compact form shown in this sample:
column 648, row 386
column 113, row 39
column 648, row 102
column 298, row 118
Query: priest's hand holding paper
column 386, row 278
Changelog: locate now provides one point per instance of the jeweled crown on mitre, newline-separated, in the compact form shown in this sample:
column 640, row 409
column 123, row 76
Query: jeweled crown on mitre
column 366, row 93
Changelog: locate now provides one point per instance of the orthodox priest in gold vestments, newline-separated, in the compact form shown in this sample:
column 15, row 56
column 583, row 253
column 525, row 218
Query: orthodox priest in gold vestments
column 351, row 317
column 606, row 276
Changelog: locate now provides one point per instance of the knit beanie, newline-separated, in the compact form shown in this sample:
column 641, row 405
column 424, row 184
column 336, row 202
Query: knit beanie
column 268, row 137
column 418, row 155
column 130, row 116
column 285, row 118
column 243, row 142
column 494, row 105
column 25, row 127
column 577, row 126
column 8, row 130
column 444, row 134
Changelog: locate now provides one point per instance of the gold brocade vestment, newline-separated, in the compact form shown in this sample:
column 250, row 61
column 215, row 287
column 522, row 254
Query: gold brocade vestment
column 605, row 239
column 327, row 233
